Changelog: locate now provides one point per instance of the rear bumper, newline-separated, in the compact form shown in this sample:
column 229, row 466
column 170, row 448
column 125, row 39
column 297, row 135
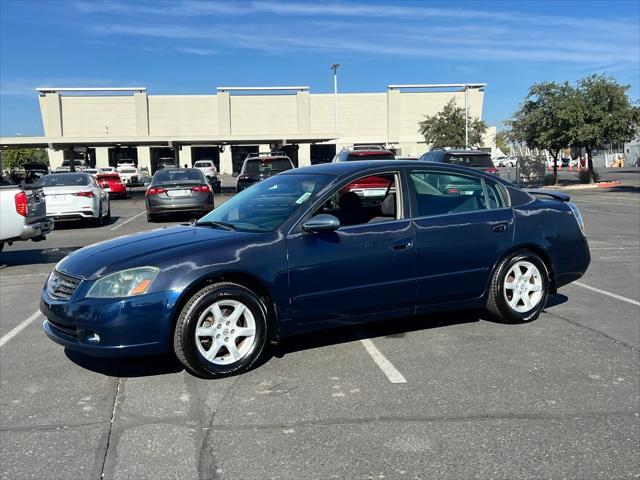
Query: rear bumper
column 72, row 215
column 195, row 207
column 37, row 229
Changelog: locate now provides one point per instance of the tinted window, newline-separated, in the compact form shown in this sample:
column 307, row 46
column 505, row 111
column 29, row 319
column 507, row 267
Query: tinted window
column 178, row 176
column 203, row 164
column 252, row 167
column 65, row 180
column 266, row 205
column 372, row 156
column 440, row 193
column 469, row 160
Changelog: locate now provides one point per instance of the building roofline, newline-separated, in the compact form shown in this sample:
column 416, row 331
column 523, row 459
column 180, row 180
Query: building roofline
column 90, row 89
column 437, row 85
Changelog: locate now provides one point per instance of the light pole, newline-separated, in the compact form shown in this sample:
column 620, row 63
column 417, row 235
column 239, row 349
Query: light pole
column 466, row 116
column 334, row 67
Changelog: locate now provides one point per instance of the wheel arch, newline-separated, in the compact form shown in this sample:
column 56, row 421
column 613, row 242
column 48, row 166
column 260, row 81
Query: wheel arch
column 247, row 280
column 538, row 250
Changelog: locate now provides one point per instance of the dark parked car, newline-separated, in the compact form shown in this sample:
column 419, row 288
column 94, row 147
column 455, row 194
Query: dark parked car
column 467, row 158
column 299, row 252
column 257, row 167
column 178, row 190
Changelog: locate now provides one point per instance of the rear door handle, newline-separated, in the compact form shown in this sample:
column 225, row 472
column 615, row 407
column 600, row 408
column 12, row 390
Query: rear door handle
column 402, row 245
column 500, row 227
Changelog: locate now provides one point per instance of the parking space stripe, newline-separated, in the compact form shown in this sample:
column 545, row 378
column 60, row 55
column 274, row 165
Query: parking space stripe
column 128, row 220
column 16, row 330
column 579, row 200
column 609, row 294
column 385, row 365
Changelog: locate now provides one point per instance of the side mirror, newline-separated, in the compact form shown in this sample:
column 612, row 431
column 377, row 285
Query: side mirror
column 321, row 223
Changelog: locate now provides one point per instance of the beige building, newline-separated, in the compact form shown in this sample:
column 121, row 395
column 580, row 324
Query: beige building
column 104, row 125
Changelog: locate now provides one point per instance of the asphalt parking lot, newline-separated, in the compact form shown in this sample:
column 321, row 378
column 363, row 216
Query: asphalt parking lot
column 445, row 396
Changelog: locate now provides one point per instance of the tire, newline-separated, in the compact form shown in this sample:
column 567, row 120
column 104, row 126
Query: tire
column 519, row 288
column 108, row 215
column 199, row 313
column 99, row 222
column 152, row 217
column 1, row 246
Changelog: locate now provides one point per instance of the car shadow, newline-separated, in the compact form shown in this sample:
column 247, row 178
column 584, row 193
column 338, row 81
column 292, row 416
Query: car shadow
column 13, row 258
column 393, row 329
column 127, row 367
column 74, row 224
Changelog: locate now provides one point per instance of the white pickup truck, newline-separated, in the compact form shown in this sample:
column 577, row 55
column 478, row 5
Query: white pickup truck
column 23, row 213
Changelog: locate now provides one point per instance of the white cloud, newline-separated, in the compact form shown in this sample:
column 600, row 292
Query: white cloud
column 203, row 52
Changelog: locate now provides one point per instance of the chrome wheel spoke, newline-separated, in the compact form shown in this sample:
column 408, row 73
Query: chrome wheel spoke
column 245, row 332
column 535, row 287
column 217, row 312
column 234, row 354
column 205, row 332
column 212, row 353
column 236, row 314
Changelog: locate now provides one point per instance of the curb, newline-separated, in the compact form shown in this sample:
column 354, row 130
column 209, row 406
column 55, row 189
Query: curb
column 588, row 186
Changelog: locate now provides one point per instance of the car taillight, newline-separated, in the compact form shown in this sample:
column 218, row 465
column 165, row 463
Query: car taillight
column 83, row 194
column 22, row 207
column 491, row 170
column 201, row 188
column 155, row 191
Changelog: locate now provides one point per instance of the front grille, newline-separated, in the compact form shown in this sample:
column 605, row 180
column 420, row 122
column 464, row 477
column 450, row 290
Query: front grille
column 61, row 285
column 72, row 331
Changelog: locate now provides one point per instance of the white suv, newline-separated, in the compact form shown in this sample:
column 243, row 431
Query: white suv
column 207, row 167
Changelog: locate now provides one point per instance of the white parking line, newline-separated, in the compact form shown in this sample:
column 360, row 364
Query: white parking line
column 385, row 365
column 16, row 330
column 614, row 248
column 604, row 292
column 128, row 220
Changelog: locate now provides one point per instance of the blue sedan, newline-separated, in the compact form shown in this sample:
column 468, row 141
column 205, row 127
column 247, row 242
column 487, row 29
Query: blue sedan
column 316, row 247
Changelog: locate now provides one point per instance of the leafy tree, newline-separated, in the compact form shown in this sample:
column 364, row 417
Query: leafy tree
column 545, row 118
column 502, row 141
column 446, row 128
column 604, row 115
column 16, row 158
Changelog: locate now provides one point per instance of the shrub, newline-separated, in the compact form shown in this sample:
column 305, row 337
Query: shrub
column 550, row 179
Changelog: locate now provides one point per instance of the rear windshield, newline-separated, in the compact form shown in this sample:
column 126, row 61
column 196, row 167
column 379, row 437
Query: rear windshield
column 109, row 177
column 64, row 180
column 266, row 165
column 469, row 160
column 372, row 156
column 203, row 164
column 177, row 176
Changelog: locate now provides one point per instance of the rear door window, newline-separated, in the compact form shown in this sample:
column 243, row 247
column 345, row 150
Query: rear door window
column 440, row 193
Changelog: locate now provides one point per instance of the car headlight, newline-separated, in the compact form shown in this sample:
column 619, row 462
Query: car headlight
column 126, row 283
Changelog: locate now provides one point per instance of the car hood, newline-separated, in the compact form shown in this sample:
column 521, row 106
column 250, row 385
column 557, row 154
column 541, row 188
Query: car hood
column 153, row 248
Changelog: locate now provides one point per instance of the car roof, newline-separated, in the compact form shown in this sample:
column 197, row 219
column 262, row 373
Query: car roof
column 462, row 152
column 347, row 168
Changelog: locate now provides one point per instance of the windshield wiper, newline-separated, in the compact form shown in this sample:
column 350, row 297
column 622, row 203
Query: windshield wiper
column 211, row 223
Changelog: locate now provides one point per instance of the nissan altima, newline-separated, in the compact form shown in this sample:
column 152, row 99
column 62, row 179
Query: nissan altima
column 301, row 251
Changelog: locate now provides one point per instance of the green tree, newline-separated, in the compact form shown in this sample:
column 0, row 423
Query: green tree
column 545, row 118
column 502, row 141
column 446, row 128
column 16, row 158
column 604, row 115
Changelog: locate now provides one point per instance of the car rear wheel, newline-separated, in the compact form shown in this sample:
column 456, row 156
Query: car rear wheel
column 151, row 217
column 99, row 220
column 519, row 288
column 222, row 330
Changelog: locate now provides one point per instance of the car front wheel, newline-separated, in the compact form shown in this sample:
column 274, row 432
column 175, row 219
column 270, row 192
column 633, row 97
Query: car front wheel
column 221, row 330
column 519, row 288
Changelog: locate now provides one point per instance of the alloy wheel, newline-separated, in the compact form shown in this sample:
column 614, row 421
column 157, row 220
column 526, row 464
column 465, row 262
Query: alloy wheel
column 523, row 286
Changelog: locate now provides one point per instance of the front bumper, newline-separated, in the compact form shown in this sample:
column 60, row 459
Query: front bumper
column 36, row 229
column 124, row 327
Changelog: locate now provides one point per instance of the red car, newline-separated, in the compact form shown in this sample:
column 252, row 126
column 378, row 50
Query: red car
column 112, row 183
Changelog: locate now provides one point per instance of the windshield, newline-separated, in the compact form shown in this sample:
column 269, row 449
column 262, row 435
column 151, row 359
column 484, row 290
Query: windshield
column 203, row 164
column 252, row 167
column 65, row 180
column 472, row 160
column 265, row 206
column 372, row 156
column 178, row 176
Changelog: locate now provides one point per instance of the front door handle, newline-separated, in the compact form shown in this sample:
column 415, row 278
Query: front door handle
column 402, row 245
column 500, row 227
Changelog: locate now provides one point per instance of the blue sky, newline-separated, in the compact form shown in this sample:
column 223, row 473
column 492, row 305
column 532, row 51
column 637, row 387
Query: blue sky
column 186, row 46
